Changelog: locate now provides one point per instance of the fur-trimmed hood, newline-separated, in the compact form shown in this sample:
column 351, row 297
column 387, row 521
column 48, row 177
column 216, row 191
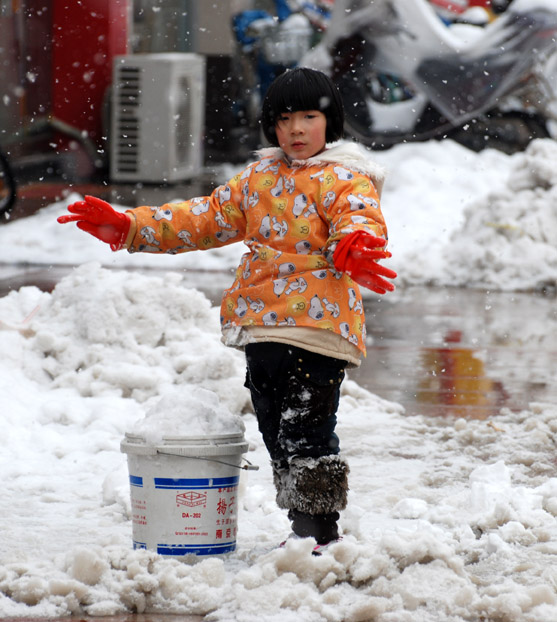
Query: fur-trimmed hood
column 346, row 153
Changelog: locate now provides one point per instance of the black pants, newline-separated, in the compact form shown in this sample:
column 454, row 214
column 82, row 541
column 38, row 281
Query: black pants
column 295, row 395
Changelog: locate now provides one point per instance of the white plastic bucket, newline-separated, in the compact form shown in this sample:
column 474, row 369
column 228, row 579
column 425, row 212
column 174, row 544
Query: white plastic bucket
column 184, row 493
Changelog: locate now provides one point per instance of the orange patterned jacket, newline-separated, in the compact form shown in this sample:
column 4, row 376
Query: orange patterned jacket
column 290, row 214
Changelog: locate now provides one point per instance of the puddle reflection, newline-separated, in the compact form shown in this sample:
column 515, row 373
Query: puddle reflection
column 460, row 352
column 455, row 377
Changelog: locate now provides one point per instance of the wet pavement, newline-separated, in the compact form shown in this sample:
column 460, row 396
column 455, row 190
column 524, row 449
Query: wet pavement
column 463, row 353
column 34, row 195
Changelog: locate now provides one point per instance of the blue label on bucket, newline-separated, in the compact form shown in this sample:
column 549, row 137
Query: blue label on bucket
column 189, row 484
column 135, row 480
column 196, row 549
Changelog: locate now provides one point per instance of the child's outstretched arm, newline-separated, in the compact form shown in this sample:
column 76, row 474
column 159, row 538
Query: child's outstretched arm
column 357, row 255
column 97, row 217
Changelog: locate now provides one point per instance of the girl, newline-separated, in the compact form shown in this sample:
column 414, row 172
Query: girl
column 310, row 216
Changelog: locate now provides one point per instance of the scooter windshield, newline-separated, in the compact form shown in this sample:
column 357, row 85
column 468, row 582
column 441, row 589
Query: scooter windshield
column 461, row 86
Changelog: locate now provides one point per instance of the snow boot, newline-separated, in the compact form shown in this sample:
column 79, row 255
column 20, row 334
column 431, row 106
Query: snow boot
column 322, row 527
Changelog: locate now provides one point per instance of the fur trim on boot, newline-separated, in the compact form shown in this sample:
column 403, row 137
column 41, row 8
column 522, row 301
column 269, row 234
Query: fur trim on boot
column 312, row 485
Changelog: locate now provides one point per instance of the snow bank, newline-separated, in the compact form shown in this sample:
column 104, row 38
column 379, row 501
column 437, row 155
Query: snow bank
column 508, row 238
column 504, row 238
column 447, row 521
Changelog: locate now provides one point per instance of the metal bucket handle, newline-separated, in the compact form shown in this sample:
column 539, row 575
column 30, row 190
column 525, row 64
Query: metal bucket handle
column 246, row 467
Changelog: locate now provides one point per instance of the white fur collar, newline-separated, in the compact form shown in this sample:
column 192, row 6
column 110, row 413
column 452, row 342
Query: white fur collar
column 346, row 153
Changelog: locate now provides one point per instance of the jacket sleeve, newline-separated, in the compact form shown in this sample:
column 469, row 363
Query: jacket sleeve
column 353, row 205
column 198, row 224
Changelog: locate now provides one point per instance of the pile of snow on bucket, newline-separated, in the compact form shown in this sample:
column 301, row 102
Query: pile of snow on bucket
column 184, row 462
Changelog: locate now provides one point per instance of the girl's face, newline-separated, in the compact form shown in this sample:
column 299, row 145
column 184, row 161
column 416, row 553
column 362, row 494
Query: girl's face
column 301, row 134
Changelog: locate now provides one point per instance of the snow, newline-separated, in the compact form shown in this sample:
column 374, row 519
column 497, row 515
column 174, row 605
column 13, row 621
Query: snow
column 200, row 413
column 448, row 520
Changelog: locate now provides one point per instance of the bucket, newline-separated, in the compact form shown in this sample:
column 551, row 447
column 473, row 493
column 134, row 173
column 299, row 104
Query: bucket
column 184, row 493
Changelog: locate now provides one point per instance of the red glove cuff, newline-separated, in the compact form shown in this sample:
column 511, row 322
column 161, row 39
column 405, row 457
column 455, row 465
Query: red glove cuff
column 125, row 229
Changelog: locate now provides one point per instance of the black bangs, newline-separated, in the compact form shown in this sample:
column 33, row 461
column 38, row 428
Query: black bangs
column 298, row 91
column 303, row 89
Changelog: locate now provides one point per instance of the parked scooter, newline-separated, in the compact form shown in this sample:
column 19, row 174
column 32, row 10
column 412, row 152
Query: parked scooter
column 406, row 76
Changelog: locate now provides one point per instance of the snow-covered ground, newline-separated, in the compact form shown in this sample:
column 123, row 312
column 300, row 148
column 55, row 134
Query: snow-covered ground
column 447, row 521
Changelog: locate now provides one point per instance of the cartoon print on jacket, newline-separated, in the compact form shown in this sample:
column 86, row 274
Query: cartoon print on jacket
column 361, row 202
column 290, row 215
column 224, row 193
column 256, row 305
column 277, row 190
column 343, row 173
column 160, row 213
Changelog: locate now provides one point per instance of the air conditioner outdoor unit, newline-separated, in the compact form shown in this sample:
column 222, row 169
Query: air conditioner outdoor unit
column 157, row 117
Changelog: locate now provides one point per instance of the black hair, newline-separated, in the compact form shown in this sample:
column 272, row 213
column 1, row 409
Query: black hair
column 302, row 88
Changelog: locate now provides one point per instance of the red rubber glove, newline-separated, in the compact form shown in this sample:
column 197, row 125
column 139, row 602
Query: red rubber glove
column 357, row 255
column 99, row 219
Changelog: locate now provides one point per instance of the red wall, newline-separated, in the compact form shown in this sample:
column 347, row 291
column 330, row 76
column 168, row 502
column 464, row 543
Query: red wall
column 86, row 35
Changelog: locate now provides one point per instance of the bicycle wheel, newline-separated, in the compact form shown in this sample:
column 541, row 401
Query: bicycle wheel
column 7, row 187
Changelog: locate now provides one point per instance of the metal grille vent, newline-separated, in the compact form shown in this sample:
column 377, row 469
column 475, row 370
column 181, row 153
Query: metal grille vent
column 128, row 100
